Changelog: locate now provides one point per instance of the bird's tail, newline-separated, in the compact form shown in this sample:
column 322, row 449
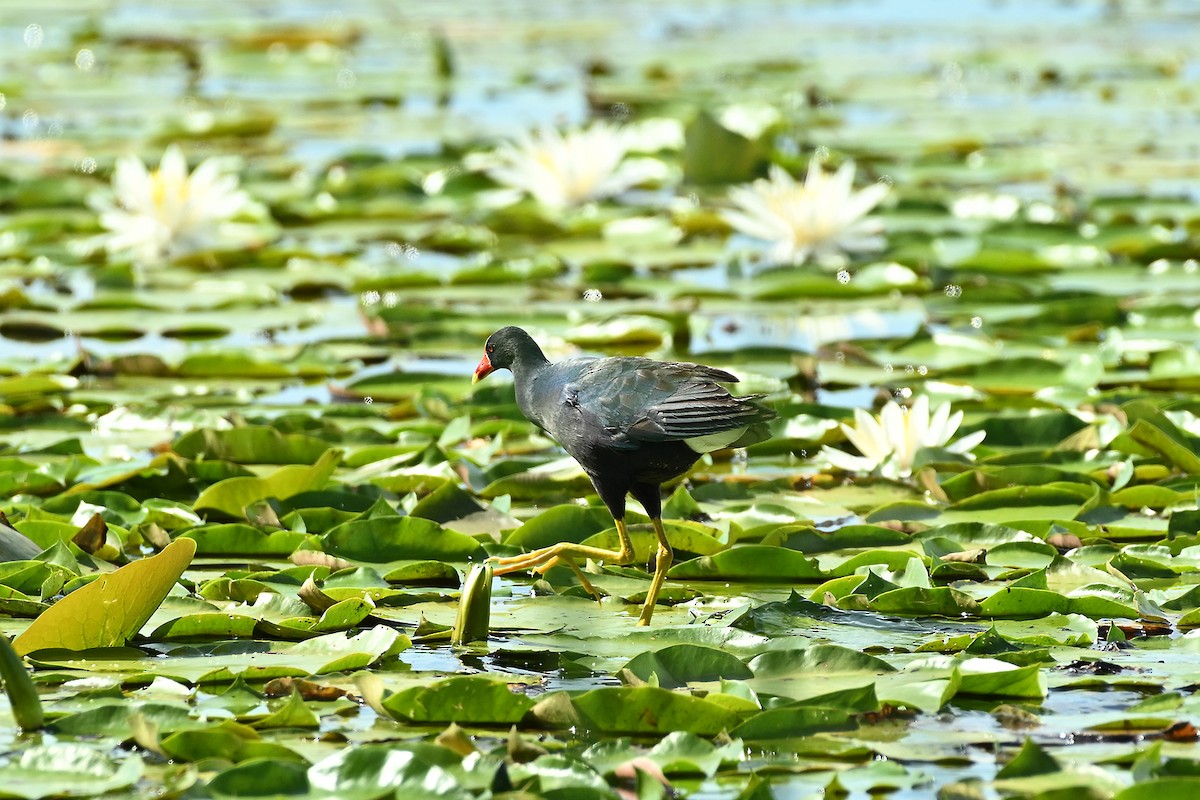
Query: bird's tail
column 758, row 430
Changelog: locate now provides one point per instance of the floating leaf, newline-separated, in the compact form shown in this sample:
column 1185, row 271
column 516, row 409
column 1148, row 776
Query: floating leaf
column 675, row 666
column 649, row 709
column 750, row 563
column 385, row 539
column 67, row 770
column 233, row 495
column 111, row 609
column 475, row 700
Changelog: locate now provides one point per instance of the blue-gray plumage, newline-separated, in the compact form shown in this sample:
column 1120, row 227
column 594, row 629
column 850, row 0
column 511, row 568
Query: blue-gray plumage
column 631, row 423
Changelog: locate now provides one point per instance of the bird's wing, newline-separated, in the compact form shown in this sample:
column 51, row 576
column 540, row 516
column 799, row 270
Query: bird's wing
column 697, row 410
column 645, row 400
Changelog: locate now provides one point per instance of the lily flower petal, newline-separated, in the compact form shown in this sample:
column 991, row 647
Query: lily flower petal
column 888, row 443
column 151, row 216
column 823, row 216
column 562, row 169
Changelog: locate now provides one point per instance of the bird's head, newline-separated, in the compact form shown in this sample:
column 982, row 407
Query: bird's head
column 504, row 348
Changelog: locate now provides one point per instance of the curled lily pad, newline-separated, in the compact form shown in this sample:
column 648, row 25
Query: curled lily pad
column 111, row 609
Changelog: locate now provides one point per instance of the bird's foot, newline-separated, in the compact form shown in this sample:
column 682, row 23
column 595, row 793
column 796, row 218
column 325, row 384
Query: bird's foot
column 583, row 581
column 662, row 563
column 543, row 559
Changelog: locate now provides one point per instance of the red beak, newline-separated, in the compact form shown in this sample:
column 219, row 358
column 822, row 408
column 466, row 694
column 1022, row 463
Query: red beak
column 484, row 369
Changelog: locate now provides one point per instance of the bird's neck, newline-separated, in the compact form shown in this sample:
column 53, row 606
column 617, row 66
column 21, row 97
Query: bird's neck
column 526, row 369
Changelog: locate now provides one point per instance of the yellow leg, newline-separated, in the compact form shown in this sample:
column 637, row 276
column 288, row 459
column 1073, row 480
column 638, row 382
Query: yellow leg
column 547, row 557
column 661, row 564
column 583, row 581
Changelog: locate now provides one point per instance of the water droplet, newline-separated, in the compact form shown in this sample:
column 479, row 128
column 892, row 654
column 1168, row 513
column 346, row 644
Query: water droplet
column 1158, row 266
column 922, row 370
column 843, row 276
column 34, row 36
column 821, row 153
column 346, row 78
column 85, row 59
column 3, row 101
column 87, row 165
column 887, row 368
column 411, row 252
column 909, row 369
column 370, row 298
column 887, row 180
column 593, row 295
column 953, row 290
column 368, row 400
column 976, row 322
column 30, row 119
column 390, row 299
column 840, row 357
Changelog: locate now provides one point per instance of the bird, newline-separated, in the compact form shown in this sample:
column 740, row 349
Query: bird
column 633, row 424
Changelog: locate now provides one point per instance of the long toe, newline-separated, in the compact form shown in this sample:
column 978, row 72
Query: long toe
column 530, row 560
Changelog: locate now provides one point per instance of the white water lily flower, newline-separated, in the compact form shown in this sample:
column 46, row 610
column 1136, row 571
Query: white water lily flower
column 164, row 213
column 566, row 169
column 889, row 443
column 822, row 217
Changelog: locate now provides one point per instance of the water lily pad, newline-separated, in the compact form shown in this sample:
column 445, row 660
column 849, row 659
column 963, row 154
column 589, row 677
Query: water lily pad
column 651, row 710
column 676, row 665
column 384, row 539
column 233, row 496
column 111, row 609
column 752, row 563
column 476, row 700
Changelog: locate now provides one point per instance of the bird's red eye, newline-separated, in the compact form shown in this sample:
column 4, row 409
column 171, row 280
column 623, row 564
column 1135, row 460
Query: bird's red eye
column 491, row 348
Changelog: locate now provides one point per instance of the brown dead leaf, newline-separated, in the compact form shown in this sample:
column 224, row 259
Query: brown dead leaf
column 92, row 535
column 308, row 690
column 628, row 771
column 314, row 598
column 155, row 536
column 1064, row 541
column 315, row 558
column 456, row 739
column 1181, row 732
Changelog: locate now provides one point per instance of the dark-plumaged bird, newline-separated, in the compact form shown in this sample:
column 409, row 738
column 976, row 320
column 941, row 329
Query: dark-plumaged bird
column 632, row 424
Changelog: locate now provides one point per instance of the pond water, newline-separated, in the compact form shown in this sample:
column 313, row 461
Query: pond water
column 956, row 622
